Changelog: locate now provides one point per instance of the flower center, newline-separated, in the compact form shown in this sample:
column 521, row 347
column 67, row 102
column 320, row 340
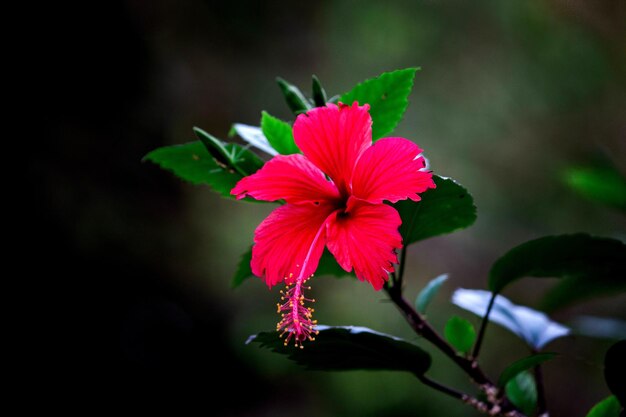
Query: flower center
column 341, row 207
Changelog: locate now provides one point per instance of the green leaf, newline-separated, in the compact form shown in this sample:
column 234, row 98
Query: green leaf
column 522, row 392
column 442, row 210
column 192, row 162
column 609, row 407
column 279, row 134
column 319, row 95
column 230, row 155
column 615, row 370
column 591, row 265
column 294, row 97
column 327, row 266
column 602, row 184
column 428, row 292
column 208, row 161
column 216, row 147
column 387, row 96
column 345, row 348
column 522, row 365
column 460, row 333
column 243, row 269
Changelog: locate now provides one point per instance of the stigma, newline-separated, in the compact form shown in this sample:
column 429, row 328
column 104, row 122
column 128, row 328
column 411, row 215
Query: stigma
column 296, row 322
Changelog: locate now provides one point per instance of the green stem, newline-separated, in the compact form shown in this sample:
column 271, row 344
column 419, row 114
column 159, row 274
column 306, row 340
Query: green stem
column 542, row 407
column 483, row 328
column 402, row 263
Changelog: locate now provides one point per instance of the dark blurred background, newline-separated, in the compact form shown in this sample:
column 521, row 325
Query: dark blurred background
column 135, row 266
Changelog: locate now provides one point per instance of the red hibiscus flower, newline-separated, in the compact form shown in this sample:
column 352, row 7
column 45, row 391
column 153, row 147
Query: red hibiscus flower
column 334, row 195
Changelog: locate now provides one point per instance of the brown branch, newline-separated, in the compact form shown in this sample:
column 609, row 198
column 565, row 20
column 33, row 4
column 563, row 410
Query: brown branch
column 424, row 329
column 496, row 405
column 442, row 388
column 491, row 409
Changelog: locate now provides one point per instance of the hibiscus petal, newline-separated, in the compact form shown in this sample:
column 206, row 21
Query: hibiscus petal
column 333, row 138
column 289, row 242
column 365, row 237
column 391, row 170
column 292, row 178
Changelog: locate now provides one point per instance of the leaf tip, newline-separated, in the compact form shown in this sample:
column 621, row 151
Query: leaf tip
column 282, row 83
column 251, row 339
column 147, row 157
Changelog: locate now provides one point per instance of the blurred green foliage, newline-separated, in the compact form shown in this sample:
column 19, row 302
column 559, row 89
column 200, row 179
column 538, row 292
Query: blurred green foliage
column 604, row 185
